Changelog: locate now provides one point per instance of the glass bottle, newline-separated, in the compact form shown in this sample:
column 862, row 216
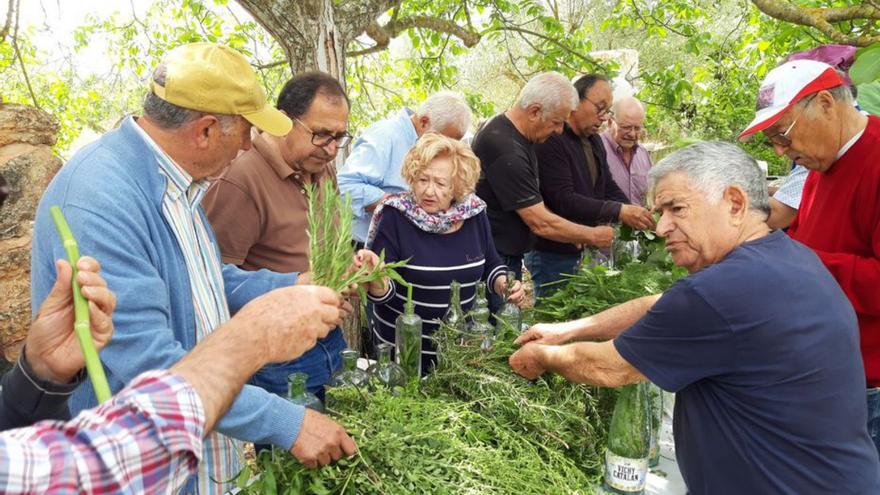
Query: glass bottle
column 349, row 374
column 481, row 303
column 626, row 457
column 386, row 373
column 408, row 340
column 656, row 399
column 508, row 319
column 298, row 394
column 454, row 317
column 481, row 331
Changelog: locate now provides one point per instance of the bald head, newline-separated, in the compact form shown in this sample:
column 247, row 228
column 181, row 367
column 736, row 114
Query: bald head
column 629, row 119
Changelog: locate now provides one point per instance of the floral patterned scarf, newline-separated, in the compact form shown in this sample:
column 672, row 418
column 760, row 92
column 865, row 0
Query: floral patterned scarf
column 435, row 223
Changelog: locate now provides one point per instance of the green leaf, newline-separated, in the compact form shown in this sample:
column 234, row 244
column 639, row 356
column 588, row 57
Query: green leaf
column 866, row 68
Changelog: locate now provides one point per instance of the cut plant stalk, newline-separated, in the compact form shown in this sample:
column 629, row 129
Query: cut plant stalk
column 81, row 325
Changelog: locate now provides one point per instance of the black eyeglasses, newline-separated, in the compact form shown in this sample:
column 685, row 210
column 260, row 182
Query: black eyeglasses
column 321, row 139
column 599, row 110
column 781, row 138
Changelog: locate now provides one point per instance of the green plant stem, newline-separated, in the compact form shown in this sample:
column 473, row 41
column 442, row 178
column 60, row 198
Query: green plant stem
column 81, row 326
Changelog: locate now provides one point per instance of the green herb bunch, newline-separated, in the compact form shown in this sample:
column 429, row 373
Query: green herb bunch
column 330, row 248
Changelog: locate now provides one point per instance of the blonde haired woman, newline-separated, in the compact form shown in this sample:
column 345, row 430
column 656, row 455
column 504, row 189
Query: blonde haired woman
column 442, row 228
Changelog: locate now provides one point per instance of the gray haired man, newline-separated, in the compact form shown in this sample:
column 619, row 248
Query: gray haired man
column 767, row 401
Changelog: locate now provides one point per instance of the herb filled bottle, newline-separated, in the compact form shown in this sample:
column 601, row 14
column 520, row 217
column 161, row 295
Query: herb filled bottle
column 298, row 394
column 349, row 374
column 626, row 457
column 386, row 373
column 508, row 319
column 656, row 399
column 408, row 339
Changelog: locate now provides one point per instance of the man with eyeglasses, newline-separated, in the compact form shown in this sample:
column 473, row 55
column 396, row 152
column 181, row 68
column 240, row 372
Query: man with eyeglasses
column 629, row 163
column 806, row 111
column 258, row 207
column 577, row 185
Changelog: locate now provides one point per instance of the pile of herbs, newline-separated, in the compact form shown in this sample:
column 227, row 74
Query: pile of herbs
column 473, row 426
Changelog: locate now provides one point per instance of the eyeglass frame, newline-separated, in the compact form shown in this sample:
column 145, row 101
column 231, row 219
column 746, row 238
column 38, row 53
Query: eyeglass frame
column 601, row 111
column 773, row 140
column 629, row 128
column 327, row 137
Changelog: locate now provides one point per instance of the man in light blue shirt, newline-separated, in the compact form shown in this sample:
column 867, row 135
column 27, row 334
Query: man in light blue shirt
column 372, row 170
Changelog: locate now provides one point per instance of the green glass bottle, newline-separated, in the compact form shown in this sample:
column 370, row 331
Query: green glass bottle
column 508, row 319
column 349, row 374
column 656, row 399
column 298, row 394
column 626, row 457
column 386, row 373
column 408, row 341
column 454, row 318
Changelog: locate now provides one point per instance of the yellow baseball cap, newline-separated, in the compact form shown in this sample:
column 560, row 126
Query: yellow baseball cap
column 214, row 78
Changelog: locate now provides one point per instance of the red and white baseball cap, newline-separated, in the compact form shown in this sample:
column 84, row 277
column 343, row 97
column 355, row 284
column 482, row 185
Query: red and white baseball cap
column 786, row 85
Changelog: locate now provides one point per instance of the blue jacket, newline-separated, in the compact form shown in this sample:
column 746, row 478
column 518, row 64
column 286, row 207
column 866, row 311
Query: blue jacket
column 111, row 194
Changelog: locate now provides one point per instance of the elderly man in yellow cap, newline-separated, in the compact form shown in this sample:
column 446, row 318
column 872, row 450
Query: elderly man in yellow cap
column 132, row 198
column 806, row 112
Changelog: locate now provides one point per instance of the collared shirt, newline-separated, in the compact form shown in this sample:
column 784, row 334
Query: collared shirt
column 259, row 208
column 373, row 167
column 633, row 177
column 146, row 439
column 789, row 193
column 180, row 205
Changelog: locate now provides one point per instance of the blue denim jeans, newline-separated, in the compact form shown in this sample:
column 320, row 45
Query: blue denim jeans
column 319, row 362
column 874, row 416
column 546, row 267
column 515, row 264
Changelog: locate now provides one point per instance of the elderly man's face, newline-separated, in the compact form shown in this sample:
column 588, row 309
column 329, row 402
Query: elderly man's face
column 626, row 128
column 325, row 117
column 813, row 133
column 547, row 125
column 698, row 232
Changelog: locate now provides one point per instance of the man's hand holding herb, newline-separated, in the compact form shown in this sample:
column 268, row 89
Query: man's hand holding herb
column 546, row 333
column 636, row 217
column 52, row 350
column 528, row 361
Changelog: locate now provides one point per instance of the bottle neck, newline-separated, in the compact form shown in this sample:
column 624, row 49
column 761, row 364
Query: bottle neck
column 385, row 354
column 296, row 385
column 349, row 361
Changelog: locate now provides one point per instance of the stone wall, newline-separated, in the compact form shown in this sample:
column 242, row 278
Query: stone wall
column 27, row 164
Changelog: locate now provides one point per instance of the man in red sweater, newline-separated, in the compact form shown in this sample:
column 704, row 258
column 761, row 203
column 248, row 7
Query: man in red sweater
column 806, row 112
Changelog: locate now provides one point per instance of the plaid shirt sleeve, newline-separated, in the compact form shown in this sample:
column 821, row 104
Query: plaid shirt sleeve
column 147, row 439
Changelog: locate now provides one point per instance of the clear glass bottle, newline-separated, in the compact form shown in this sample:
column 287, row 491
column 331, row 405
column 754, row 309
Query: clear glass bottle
column 481, row 331
column 386, row 373
column 298, row 394
column 349, row 374
column 656, row 399
column 454, row 318
column 626, row 457
column 508, row 319
column 408, row 341
column 481, row 303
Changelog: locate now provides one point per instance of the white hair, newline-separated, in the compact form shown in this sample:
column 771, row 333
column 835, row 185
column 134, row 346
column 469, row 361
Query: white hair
column 627, row 101
column 711, row 167
column 444, row 109
column 551, row 91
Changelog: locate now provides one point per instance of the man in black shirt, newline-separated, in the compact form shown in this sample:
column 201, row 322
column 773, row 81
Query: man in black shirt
column 509, row 182
column 577, row 184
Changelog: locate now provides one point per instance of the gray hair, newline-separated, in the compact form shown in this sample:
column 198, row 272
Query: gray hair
column 444, row 109
column 551, row 91
column 712, row 166
column 627, row 101
column 841, row 94
column 170, row 116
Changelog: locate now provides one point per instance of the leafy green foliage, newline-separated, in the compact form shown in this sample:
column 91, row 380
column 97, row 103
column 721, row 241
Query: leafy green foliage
column 866, row 67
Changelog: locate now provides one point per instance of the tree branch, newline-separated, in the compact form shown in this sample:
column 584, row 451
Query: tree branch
column 27, row 80
column 823, row 19
column 383, row 35
column 9, row 13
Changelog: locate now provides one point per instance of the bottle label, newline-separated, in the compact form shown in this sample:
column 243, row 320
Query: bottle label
column 625, row 474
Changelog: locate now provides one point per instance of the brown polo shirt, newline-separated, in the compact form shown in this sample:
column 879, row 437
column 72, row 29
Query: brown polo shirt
column 258, row 209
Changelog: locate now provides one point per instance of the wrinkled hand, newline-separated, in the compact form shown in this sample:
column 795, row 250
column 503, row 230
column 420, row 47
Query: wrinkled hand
column 517, row 293
column 544, row 333
column 52, row 349
column 527, row 361
column 602, row 237
column 304, row 278
column 321, row 441
column 291, row 319
column 636, row 217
